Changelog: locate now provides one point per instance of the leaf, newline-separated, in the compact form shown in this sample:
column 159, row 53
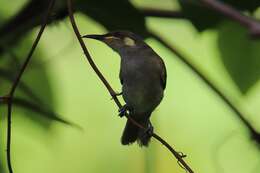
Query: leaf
column 201, row 17
column 7, row 77
column 114, row 15
column 40, row 110
column 35, row 88
column 240, row 55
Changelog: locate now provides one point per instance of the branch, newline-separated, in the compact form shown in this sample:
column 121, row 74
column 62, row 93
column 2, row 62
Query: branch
column 112, row 92
column 16, row 82
column 150, row 12
column 255, row 135
column 38, row 109
column 251, row 24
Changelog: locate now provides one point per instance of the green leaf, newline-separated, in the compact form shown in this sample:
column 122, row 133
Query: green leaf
column 240, row 55
column 39, row 110
column 34, row 88
column 7, row 76
column 114, row 15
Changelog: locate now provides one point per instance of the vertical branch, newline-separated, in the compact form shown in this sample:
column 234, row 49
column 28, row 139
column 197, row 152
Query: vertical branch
column 8, row 145
column 16, row 82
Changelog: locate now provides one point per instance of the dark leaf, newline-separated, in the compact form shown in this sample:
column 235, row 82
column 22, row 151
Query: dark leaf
column 240, row 55
column 39, row 110
column 35, row 86
column 7, row 76
column 200, row 16
column 113, row 15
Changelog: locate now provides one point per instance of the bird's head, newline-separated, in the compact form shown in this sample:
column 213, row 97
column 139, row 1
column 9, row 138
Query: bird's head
column 120, row 41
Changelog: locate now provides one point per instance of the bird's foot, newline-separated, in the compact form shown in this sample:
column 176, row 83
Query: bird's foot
column 148, row 132
column 116, row 94
column 123, row 110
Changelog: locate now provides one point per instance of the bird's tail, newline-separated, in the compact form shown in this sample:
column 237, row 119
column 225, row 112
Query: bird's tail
column 133, row 133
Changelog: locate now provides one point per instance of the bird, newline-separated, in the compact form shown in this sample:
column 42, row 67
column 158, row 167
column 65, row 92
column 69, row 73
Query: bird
column 143, row 78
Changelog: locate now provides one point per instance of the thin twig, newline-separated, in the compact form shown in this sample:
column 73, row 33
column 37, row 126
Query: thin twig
column 32, row 49
column 112, row 92
column 175, row 153
column 91, row 62
column 251, row 24
column 16, row 82
column 221, row 95
column 150, row 12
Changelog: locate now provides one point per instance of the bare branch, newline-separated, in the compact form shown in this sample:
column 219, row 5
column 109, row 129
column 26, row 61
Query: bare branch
column 16, row 82
column 112, row 92
column 251, row 24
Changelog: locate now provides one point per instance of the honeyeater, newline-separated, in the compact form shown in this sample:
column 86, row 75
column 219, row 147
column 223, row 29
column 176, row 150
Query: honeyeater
column 143, row 79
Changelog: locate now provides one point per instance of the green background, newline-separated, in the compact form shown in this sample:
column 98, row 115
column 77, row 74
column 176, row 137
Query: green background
column 191, row 117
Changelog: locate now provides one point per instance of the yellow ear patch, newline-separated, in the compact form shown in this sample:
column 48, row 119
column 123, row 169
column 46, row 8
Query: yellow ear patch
column 129, row 42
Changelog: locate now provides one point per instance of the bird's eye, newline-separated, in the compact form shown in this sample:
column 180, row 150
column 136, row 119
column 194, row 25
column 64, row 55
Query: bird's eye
column 129, row 41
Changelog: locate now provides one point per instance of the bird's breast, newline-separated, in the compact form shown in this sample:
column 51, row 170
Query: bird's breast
column 142, row 89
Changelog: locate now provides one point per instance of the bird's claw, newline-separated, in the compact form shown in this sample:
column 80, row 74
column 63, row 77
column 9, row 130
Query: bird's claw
column 123, row 110
column 148, row 132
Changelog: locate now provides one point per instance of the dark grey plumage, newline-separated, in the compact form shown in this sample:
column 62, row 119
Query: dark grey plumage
column 143, row 79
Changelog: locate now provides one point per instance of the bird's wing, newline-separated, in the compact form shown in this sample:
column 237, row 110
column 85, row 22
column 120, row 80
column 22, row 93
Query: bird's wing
column 163, row 73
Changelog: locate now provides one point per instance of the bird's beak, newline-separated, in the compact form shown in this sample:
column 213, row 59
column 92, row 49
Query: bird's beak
column 96, row 37
column 106, row 38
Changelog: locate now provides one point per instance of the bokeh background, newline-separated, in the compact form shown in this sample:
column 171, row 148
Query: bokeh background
column 59, row 84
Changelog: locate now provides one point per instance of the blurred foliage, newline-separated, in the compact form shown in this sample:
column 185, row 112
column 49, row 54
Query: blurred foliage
column 240, row 55
column 204, row 18
column 58, row 81
column 114, row 14
column 34, row 94
column 103, row 11
column 1, row 167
